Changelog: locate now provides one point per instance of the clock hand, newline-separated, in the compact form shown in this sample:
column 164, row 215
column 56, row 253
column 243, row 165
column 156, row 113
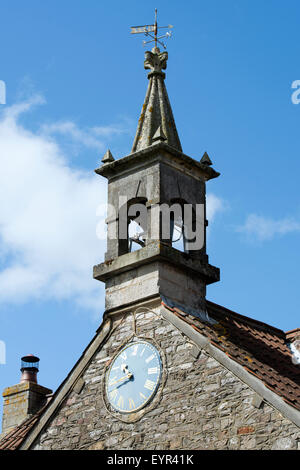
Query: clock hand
column 126, row 377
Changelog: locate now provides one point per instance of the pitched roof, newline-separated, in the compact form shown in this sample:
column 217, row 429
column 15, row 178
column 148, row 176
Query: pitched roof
column 260, row 348
column 13, row 439
column 292, row 335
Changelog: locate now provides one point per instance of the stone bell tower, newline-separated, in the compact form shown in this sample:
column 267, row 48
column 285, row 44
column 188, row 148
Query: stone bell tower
column 144, row 188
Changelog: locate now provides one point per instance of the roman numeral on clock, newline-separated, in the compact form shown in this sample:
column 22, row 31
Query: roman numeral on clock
column 142, row 352
column 113, row 395
column 135, row 348
column 149, row 384
column 150, row 358
column 121, row 402
column 131, row 404
column 152, row 370
column 112, row 381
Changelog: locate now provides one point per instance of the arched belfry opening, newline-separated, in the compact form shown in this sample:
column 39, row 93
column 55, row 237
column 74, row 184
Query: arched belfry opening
column 132, row 231
column 178, row 224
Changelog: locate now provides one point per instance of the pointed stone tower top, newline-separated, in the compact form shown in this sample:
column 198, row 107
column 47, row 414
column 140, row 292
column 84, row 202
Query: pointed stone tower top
column 108, row 158
column 159, row 135
column 156, row 122
column 206, row 160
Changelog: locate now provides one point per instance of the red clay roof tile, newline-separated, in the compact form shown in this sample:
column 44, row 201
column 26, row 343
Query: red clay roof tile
column 262, row 349
column 14, row 438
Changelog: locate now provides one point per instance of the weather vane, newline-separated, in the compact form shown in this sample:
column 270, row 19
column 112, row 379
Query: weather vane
column 147, row 29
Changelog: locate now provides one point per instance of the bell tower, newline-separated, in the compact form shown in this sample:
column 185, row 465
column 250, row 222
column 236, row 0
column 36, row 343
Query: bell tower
column 156, row 220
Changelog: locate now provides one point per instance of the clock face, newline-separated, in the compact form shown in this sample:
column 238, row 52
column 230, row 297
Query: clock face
column 133, row 377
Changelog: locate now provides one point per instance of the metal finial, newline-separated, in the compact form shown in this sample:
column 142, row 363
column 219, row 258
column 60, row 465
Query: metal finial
column 147, row 29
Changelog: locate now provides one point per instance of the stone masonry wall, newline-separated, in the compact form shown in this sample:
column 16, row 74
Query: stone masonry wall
column 203, row 405
column 20, row 402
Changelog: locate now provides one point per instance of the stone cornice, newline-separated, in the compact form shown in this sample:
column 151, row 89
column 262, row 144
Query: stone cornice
column 156, row 251
column 159, row 151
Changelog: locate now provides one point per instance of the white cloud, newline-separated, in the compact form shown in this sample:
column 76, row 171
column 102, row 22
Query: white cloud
column 214, row 204
column 265, row 228
column 48, row 241
column 90, row 137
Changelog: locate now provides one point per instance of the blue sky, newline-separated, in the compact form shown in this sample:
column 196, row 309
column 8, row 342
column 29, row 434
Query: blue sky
column 75, row 86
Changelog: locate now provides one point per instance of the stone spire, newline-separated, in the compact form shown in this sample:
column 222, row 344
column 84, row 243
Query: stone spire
column 156, row 117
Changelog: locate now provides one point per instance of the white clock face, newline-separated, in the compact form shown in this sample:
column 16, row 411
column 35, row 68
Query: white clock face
column 133, row 377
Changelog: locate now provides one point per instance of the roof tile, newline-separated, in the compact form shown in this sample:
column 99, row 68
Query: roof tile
column 262, row 349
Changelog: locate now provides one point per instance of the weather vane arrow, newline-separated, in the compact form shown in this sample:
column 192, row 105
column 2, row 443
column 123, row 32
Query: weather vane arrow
column 151, row 30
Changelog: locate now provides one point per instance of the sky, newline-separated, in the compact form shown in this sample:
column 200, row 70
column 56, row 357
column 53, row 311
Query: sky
column 75, row 84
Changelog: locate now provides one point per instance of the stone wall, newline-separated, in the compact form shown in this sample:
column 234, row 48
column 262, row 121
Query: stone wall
column 202, row 405
column 20, row 402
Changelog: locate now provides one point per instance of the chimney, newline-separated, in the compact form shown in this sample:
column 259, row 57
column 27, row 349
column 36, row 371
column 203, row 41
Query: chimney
column 24, row 399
